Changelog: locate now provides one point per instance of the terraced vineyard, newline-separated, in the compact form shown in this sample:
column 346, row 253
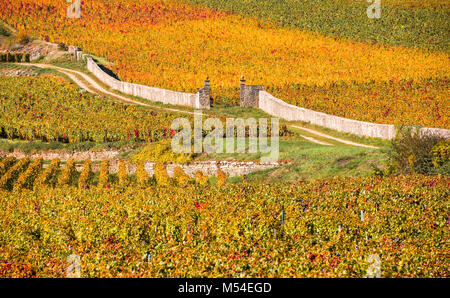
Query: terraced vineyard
column 175, row 45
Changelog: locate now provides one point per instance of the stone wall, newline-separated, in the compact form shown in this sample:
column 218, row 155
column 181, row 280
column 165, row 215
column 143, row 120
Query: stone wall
column 249, row 94
column 277, row 107
column 281, row 109
column 199, row 100
column 208, row 168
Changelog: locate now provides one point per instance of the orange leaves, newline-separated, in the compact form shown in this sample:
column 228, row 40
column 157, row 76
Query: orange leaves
column 172, row 45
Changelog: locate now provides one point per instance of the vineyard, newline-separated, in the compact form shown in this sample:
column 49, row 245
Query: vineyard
column 90, row 173
column 136, row 228
column 49, row 108
column 175, row 45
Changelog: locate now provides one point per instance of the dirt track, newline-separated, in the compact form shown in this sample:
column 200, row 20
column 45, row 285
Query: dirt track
column 86, row 82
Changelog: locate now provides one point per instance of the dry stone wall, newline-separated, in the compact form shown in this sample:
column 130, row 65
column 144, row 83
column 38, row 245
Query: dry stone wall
column 208, row 168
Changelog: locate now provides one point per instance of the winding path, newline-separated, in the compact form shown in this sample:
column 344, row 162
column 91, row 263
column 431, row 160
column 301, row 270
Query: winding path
column 88, row 83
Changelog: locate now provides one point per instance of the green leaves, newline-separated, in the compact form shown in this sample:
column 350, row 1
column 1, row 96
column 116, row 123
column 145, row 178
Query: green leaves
column 425, row 26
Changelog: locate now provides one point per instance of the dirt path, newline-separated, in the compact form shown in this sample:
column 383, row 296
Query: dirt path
column 92, row 86
column 316, row 141
column 318, row 133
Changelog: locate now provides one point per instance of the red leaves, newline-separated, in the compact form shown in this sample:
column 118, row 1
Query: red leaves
column 10, row 269
column 200, row 206
column 331, row 261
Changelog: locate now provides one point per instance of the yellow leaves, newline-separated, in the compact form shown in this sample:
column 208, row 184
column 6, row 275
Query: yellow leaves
column 68, row 173
column 157, row 51
column 142, row 175
column 84, row 180
column 221, row 178
column 211, row 232
column 8, row 179
column 200, row 178
column 48, row 174
column 161, row 176
column 103, row 178
column 122, row 174
column 161, row 152
column 27, row 178
column 180, row 176
column 441, row 153
column 51, row 109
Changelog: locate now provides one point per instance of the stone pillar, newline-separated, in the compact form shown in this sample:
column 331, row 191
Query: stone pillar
column 250, row 94
column 207, row 86
column 79, row 55
column 73, row 51
column 242, row 95
column 205, row 95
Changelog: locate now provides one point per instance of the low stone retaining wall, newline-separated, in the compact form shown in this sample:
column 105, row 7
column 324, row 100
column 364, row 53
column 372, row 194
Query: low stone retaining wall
column 209, row 168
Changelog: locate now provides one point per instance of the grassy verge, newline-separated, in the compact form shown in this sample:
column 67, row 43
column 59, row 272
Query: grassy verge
column 303, row 160
column 311, row 162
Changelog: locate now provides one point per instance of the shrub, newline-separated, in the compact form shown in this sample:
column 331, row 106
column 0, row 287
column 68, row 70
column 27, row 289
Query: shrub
column 103, row 178
column 200, row 178
column 47, row 175
column 161, row 152
column 412, row 152
column 3, row 57
column 122, row 174
column 86, row 175
column 68, row 174
column 84, row 116
column 180, row 176
column 27, row 178
column 441, row 153
column 221, row 178
column 441, row 157
column 4, row 31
